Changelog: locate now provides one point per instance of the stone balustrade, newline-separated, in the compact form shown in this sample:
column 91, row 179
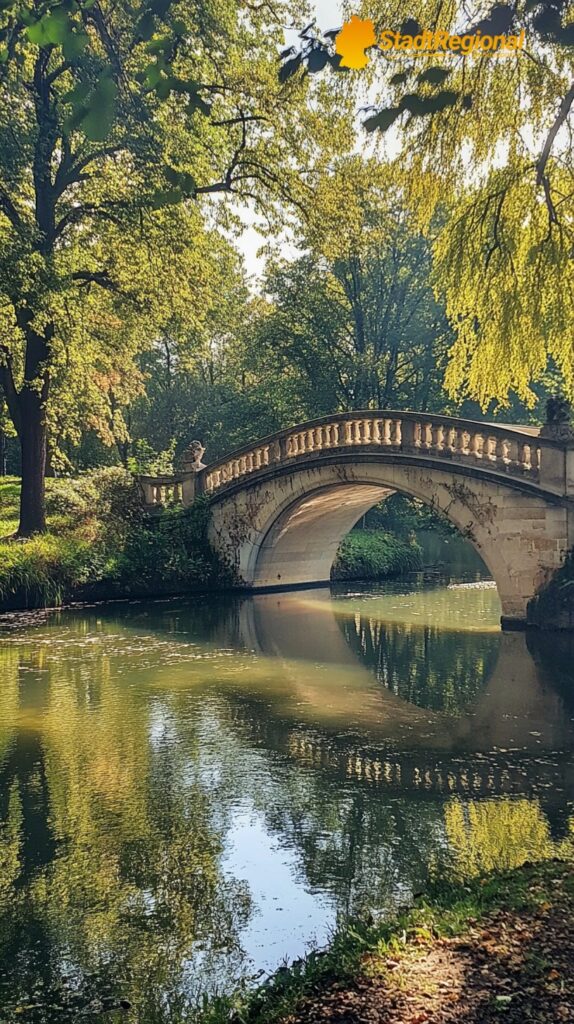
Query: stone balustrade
column 507, row 450
column 516, row 451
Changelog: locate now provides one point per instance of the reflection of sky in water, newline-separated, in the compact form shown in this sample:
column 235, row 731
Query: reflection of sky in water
column 301, row 756
column 288, row 918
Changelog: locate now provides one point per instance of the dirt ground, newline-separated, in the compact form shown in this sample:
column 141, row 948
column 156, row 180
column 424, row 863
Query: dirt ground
column 511, row 968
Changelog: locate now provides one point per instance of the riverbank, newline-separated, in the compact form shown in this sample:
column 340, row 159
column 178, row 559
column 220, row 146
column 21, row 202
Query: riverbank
column 101, row 545
column 498, row 948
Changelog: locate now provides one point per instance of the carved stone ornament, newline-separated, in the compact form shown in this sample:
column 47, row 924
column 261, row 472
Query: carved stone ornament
column 558, row 424
column 192, row 457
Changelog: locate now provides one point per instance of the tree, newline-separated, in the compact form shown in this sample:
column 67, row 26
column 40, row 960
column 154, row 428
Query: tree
column 115, row 118
column 490, row 138
column 356, row 313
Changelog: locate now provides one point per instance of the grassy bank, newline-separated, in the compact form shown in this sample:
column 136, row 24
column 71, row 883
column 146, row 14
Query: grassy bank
column 498, row 948
column 101, row 545
column 375, row 555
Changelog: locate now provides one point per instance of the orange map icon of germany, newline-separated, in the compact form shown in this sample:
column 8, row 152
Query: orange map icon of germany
column 354, row 38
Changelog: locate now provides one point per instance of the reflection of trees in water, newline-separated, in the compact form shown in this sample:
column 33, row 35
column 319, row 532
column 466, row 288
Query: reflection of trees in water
column 109, row 864
column 427, row 666
column 500, row 835
column 371, row 837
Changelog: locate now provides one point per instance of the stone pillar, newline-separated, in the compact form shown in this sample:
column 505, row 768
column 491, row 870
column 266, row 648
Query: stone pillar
column 557, row 463
column 192, row 465
column 188, row 488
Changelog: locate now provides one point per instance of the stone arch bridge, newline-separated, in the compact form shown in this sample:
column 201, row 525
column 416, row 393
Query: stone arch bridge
column 280, row 507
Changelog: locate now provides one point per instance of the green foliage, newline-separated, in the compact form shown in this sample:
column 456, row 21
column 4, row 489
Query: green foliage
column 46, row 570
column 401, row 515
column 169, row 554
column 374, row 555
column 9, row 498
column 109, row 494
column 100, row 543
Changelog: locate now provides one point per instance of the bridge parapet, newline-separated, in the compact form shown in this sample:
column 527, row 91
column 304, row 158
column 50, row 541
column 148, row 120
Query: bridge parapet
column 516, row 451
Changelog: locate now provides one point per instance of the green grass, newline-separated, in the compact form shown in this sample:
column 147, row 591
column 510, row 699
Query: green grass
column 9, row 505
column 448, row 910
column 100, row 544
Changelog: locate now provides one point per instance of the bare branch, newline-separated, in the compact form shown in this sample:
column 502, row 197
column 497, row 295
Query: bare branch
column 541, row 176
column 100, row 277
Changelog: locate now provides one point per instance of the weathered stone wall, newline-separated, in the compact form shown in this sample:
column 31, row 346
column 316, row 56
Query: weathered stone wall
column 285, row 528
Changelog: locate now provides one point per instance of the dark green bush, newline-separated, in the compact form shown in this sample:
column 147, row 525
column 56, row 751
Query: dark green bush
column 109, row 494
column 171, row 550
column 373, row 555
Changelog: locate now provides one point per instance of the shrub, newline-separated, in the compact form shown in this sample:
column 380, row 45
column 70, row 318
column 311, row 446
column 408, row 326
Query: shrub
column 171, row 551
column 373, row 554
column 109, row 494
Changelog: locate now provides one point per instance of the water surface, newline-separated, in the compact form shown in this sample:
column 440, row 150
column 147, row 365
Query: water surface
column 192, row 792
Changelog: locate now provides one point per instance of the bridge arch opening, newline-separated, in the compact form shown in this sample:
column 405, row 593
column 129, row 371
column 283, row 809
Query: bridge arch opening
column 282, row 526
column 301, row 544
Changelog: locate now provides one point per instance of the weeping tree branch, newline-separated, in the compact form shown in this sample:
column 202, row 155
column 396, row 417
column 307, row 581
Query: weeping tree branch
column 541, row 176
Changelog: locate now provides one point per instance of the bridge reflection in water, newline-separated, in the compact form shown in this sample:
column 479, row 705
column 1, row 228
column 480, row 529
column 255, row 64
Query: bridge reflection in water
column 189, row 787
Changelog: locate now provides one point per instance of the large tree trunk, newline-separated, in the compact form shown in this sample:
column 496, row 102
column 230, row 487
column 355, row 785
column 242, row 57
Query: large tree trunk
column 33, row 444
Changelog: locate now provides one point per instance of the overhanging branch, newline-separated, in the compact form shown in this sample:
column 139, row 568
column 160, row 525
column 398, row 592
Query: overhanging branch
column 541, row 175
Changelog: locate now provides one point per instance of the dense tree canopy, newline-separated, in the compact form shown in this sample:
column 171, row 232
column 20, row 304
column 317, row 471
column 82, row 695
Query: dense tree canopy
column 114, row 118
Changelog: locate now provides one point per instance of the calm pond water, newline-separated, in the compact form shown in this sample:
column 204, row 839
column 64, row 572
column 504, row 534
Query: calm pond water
column 192, row 792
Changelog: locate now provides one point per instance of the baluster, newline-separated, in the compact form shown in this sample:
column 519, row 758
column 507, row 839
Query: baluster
column 367, row 431
column 348, row 427
column 459, row 441
column 535, row 458
column 249, row 462
column 448, row 440
column 512, row 459
column 426, row 436
column 409, row 431
column 524, row 450
column 386, row 431
column 242, row 465
column 437, row 435
column 376, row 431
column 318, row 432
column 500, row 450
column 489, row 449
column 475, row 445
column 266, row 455
column 309, row 441
column 396, row 435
